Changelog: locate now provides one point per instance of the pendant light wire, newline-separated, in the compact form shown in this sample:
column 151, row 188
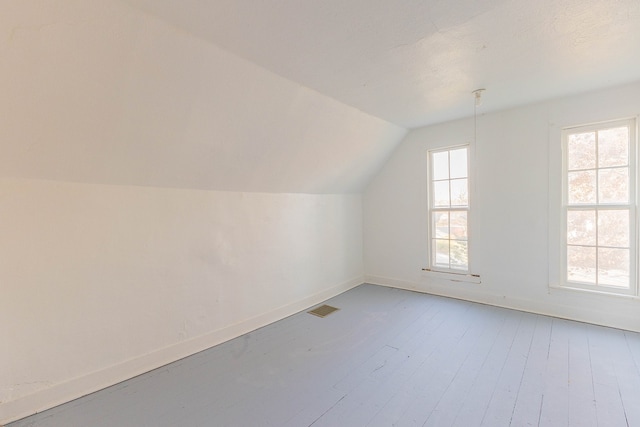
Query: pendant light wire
column 477, row 101
column 477, row 95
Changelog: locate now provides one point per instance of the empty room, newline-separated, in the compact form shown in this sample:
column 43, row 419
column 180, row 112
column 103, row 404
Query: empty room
column 328, row 213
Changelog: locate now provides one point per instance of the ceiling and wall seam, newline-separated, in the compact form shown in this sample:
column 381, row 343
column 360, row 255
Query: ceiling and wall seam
column 131, row 100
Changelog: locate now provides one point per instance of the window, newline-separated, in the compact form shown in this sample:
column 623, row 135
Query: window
column 599, row 198
column 449, row 209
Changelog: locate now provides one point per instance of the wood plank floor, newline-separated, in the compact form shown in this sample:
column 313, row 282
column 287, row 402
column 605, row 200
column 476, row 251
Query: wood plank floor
column 387, row 358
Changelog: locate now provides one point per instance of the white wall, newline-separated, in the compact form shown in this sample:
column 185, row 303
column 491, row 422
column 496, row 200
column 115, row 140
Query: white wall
column 159, row 195
column 514, row 224
column 100, row 283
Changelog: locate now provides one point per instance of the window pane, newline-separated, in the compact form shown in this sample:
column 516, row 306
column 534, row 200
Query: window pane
column 613, row 185
column 581, row 151
column 458, row 225
column 600, row 198
column 459, row 257
column 440, row 164
column 581, row 264
column 613, row 147
column 613, row 228
column 441, row 224
column 581, row 227
column 448, row 206
column 441, row 194
column 613, row 267
column 459, row 195
column 582, row 187
column 441, row 253
column 459, row 163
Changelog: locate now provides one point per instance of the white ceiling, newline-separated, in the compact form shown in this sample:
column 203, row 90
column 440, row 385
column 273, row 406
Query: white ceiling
column 281, row 96
column 101, row 92
column 416, row 62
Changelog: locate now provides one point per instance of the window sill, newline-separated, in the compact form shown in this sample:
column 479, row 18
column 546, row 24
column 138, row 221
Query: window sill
column 454, row 277
column 554, row 288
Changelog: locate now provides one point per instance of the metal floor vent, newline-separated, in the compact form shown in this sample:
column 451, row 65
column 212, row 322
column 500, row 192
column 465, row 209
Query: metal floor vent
column 323, row 310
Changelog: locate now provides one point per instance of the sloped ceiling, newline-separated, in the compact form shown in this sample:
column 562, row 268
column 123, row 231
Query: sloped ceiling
column 279, row 95
column 101, row 92
column 416, row 62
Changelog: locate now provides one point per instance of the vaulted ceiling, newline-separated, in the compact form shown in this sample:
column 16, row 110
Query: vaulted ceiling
column 415, row 62
column 280, row 95
column 100, row 92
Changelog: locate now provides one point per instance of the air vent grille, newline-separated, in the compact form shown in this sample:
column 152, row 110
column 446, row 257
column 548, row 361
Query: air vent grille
column 323, row 310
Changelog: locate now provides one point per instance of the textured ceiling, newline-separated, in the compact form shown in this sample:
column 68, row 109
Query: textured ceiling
column 101, row 92
column 281, row 96
column 416, row 62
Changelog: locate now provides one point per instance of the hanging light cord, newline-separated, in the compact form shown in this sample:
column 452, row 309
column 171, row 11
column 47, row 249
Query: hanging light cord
column 477, row 101
column 475, row 123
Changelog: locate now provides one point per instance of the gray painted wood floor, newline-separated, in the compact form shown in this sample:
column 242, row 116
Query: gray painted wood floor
column 388, row 357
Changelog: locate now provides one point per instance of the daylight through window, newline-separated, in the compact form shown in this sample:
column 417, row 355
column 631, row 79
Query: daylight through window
column 449, row 209
column 599, row 207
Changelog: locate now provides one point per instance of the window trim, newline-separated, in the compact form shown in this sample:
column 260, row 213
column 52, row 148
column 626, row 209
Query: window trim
column 631, row 206
column 462, row 275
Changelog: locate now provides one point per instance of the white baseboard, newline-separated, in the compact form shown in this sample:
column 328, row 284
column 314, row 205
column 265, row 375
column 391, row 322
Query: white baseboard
column 473, row 294
column 81, row 386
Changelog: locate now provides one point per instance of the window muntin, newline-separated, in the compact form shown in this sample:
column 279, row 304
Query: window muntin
column 599, row 207
column 449, row 209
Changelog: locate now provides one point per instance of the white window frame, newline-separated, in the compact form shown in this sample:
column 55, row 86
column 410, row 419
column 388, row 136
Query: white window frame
column 433, row 268
column 631, row 207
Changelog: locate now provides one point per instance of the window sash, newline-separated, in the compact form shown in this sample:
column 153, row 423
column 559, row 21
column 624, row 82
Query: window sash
column 598, row 248
column 448, row 250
